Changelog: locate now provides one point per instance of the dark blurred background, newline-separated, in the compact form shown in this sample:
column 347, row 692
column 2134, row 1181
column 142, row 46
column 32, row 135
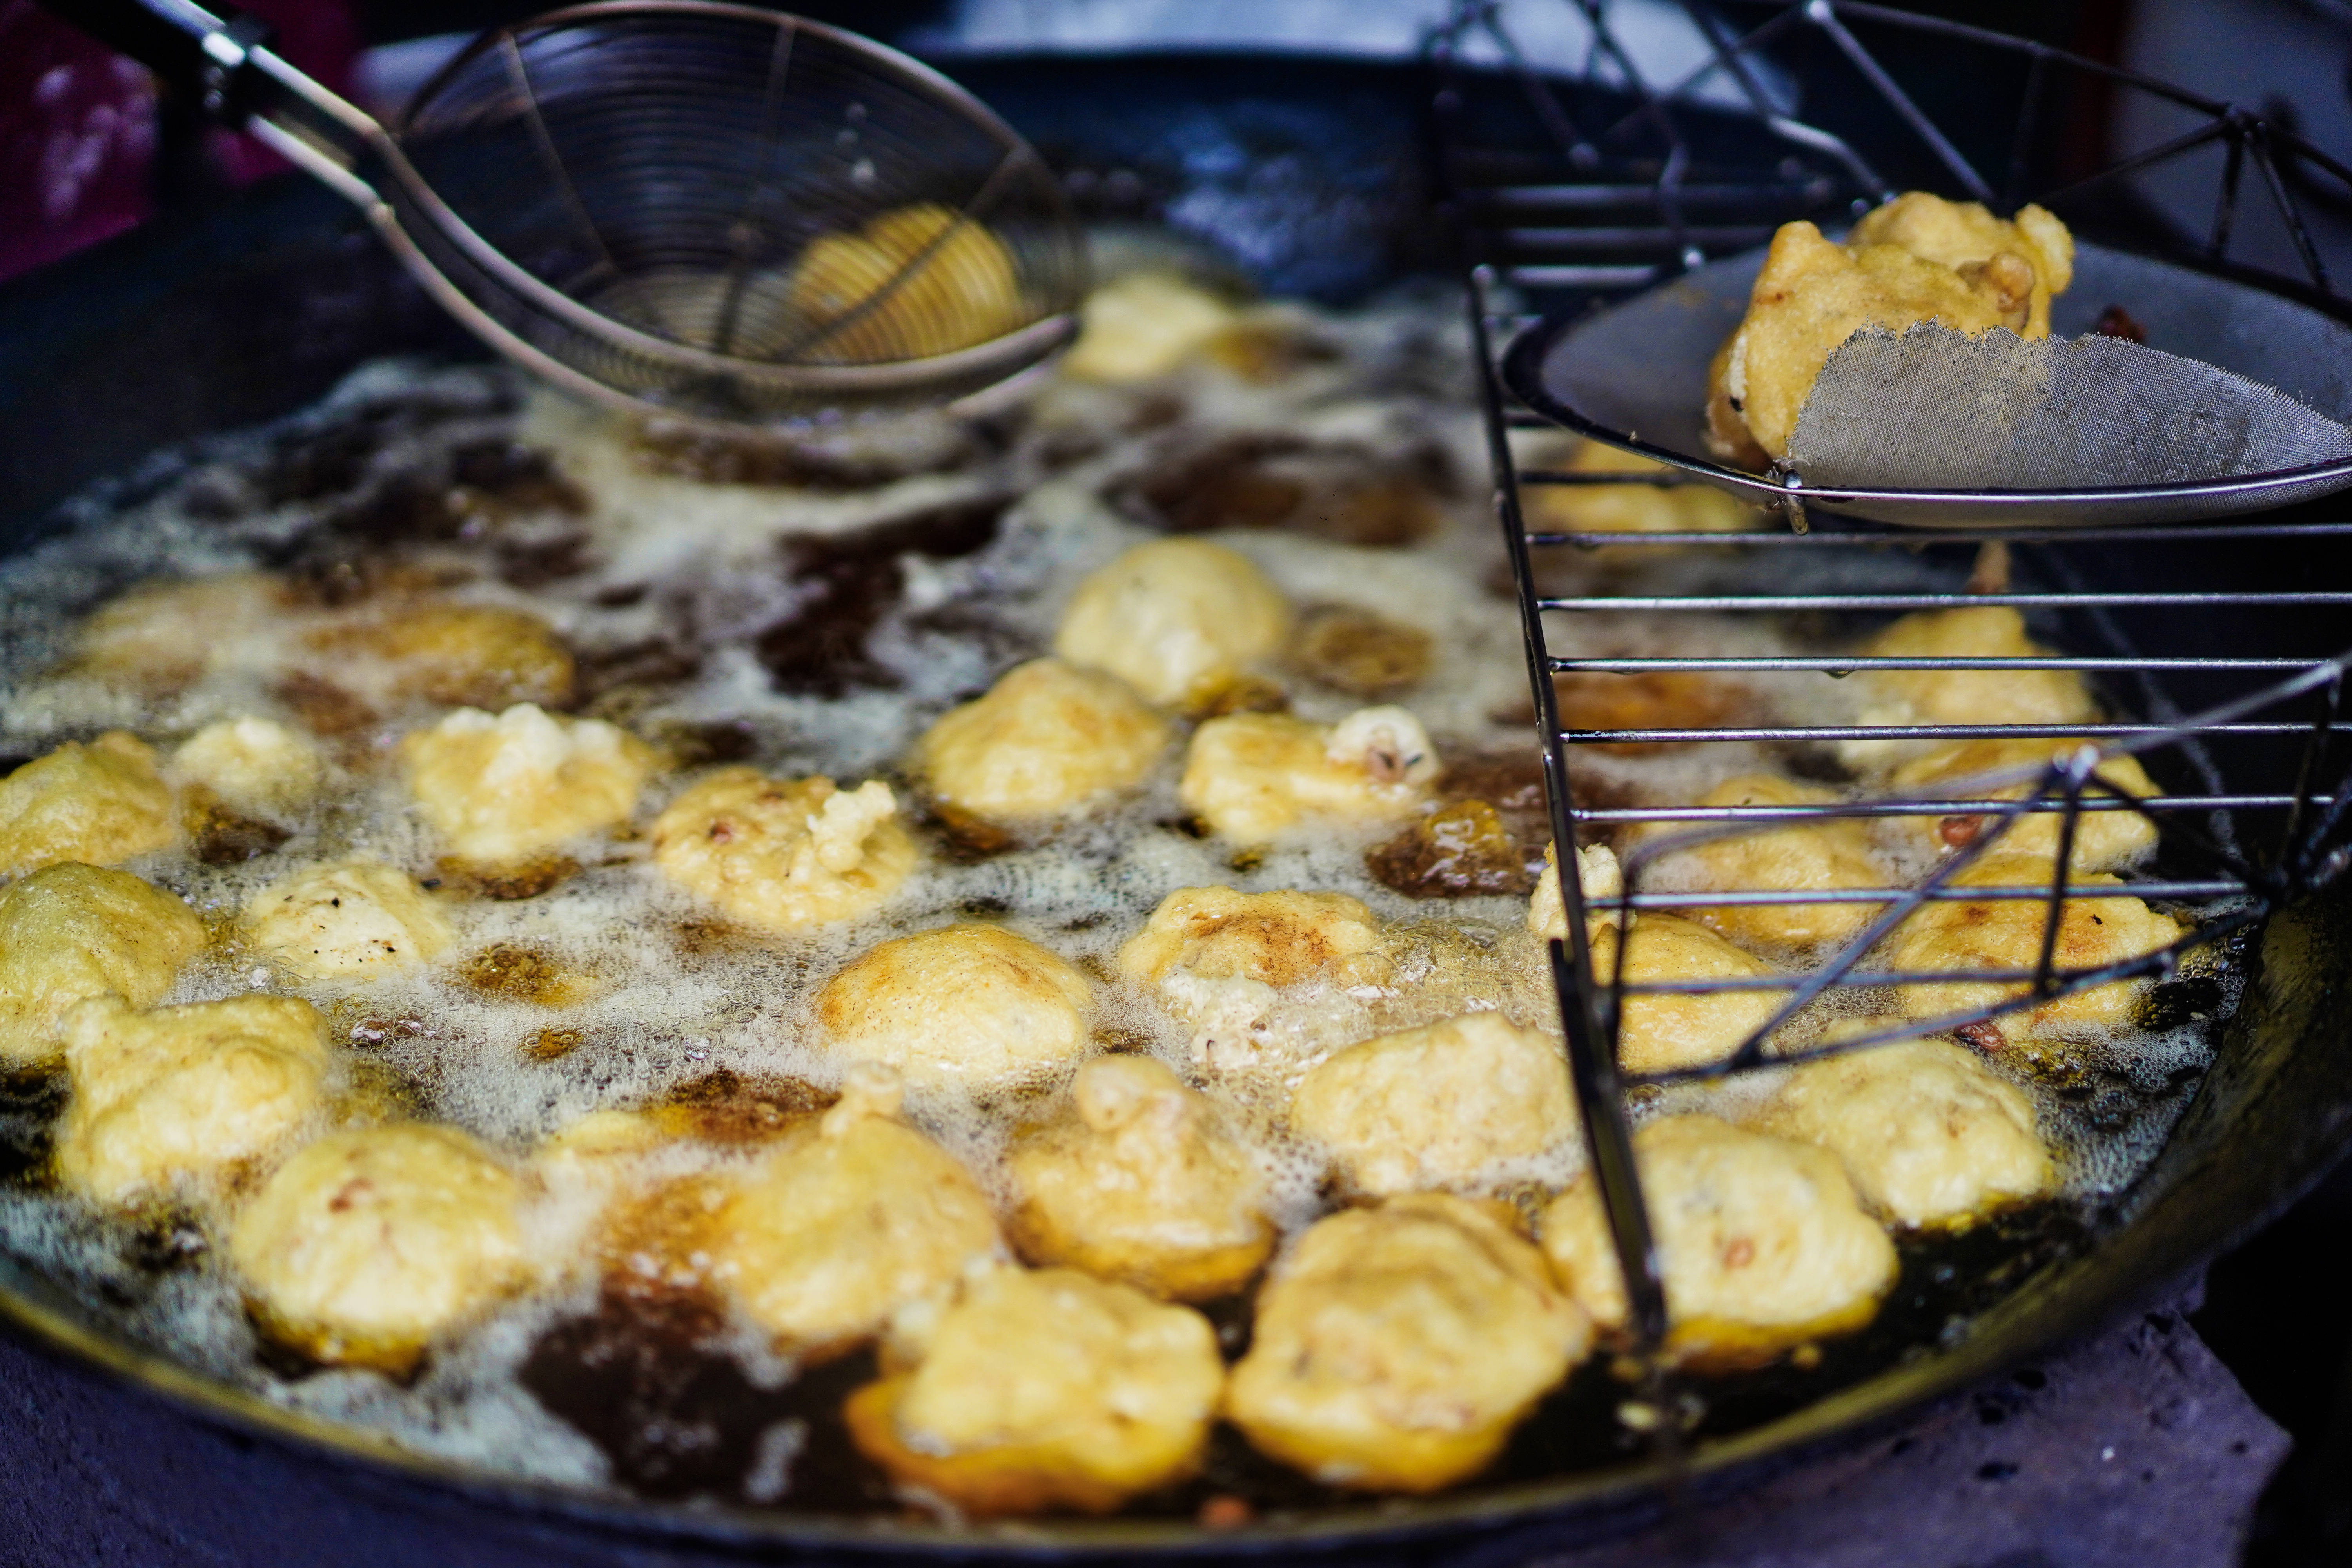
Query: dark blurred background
column 88, row 150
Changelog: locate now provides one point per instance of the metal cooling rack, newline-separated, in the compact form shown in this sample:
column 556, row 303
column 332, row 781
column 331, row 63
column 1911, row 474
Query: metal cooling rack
column 1637, row 180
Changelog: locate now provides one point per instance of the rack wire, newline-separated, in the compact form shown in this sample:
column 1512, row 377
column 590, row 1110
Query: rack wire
column 1639, row 180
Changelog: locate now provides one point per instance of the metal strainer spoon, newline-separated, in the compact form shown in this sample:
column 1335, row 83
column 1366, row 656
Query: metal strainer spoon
column 701, row 210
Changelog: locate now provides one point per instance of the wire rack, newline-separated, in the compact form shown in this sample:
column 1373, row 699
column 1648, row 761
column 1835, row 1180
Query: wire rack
column 1635, row 180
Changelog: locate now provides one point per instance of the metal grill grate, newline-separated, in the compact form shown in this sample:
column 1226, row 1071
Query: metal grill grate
column 1640, row 182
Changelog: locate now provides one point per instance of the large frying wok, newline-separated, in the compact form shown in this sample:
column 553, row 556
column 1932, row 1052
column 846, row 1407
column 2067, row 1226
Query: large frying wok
column 1312, row 176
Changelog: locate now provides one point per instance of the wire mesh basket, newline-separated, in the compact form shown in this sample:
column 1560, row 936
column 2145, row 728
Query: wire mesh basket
column 1647, row 181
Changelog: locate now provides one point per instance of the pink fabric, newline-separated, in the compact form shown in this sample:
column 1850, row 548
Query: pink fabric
column 76, row 131
column 78, row 125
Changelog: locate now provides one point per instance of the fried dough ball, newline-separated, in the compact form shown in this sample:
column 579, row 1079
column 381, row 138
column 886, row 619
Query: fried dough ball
column 345, row 919
column 964, row 1004
column 1667, row 1031
column 190, row 1092
column 851, row 1216
column 257, row 767
column 1202, row 941
column 1626, row 508
column 1396, row 1347
column 1826, row 853
column 1177, row 619
column 367, row 1246
column 1811, row 295
column 469, row 656
column 2006, row 933
column 501, row 790
column 1438, row 1106
column 1761, row 1241
column 2104, row 841
column 1597, row 876
column 783, row 854
column 1048, row 738
column 1143, row 325
column 163, row 638
column 1142, row 1184
column 957, row 287
column 100, row 803
column 1253, row 776
column 1044, row 1390
column 1929, row 1137
column 1964, row 234
column 69, row 932
column 1970, row 696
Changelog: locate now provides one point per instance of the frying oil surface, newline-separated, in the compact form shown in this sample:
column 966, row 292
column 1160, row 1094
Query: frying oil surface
column 814, row 616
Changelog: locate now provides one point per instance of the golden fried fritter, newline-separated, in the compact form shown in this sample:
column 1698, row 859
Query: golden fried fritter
column 1044, row 1390
column 851, row 1216
column 1142, row 1183
column 1929, row 1137
column 1437, row 1107
column 952, row 285
column 503, row 790
column 1761, row 1241
column 784, row 853
column 1141, row 326
column 184, row 1092
column 1048, row 739
column 1396, row 1347
column 2104, row 841
column 1824, row 853
column 1253, row 777
column 69, row 932
column 2007, row 933
column 1175, row 618
column 367, row 1246
column 101, row 803
column 344, row 919
column 1671, row 1030
column 964, row 1004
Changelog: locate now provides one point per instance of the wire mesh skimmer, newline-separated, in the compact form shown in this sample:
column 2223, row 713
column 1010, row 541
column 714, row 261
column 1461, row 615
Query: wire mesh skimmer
column 1648, row 181
column 704, row 210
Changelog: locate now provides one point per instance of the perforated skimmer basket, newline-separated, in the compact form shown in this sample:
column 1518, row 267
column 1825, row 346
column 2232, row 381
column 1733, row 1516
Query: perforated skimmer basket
column 705, row 210
column 1936, row 439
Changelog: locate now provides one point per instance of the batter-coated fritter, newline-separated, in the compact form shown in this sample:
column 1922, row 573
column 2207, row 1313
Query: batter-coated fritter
column 1629, row 508
column 1964, row 234
column 184, row 1092
column 2006, row 934
column 784, row 853
column 1205, row 947
column 1669, row 1030
column 1599, row 878
column 964, row 1004
column 471, row 656
column 1044, row 1390
column 257, row 768
column 1396, row 1347
column 1178, row 619
column 1824, row 853
column 953, row 285
column 367, row 1246
column 851, row 1216
column 1256, row 776
column 505, row 790
column 346, row 919
column 1811, row 295
column 1141, row 326
column 101, row 803
column 1049, row 738
column 69, row 932
column 161, row 637
column 1929, row 1137
column 1970, row 696
column 1437, row 1107
column 1761, row 1242
column 2104, row 841
column 1141, row 1183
